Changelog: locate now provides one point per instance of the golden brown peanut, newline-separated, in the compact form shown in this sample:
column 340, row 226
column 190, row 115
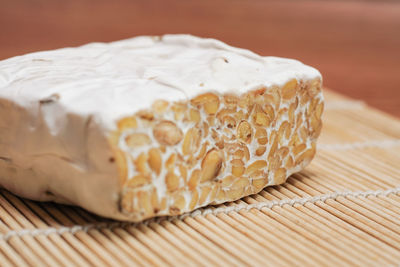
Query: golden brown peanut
column 137, row 139
column 282, row 132
column 145, row 202
column 260, row 151
column 214, row 190
column 229, row 122
column 262, row 119
column 194, row 200
column 259, row 184
column 221, row 194
column 170, row 163
column 274, row 163
column 237, row 167
column 209, row 101
column 314, row 89
column 160, row 106
column 246, row 153
column 306, row 156
column 297, row 149
column 255, row 166
column 194, row 115
column 154, row 160
column 273, row 148
column 240, row 115
column 211, row 165
column 244, row 131
column 172, row 181
column 183, row 171
column 231, row 101
column 179, row 203
column 280, row 176
column 239, row 154
column 205, row 128
column 141, row 164
column 289, row 162
column 291, row 114
column 211, row 107
column 283, row 152
column 269, row 110
column 245, row 102
column 273, row 97
column 127, row 123
column 202, row 151
column 179, row 110
column 225, row 112
column 261, row 135
column 138, row 181
column 234, row 193
column 194, row 179
column 167, row 133
column 227, row 181
column 319, row 109
column 205, row 191
column 242, row 182
column 289, row 89
column 127, row 201
column 191, row 141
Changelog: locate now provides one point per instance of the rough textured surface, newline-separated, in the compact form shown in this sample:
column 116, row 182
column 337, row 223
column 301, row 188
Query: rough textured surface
column 154, row 125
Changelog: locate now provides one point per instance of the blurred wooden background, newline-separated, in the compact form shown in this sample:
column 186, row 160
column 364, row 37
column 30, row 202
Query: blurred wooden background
column 355, row 44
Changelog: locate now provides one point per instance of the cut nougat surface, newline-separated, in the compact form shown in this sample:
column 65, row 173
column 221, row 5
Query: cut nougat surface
column 179, row 156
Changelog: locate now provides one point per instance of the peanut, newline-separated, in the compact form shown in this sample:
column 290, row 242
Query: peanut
column 194, row 179
column 137, row 140
column 211, row 165
column 172, row 181
column 259, row 184
column 205, row 191
column 141, row 164
column 255, row 166
column 191, row 141
column 280, row 176
column 167, row 133
column 260, row 151
column 244, row 131
column 138, row 181
column 261, row 135
column 230, row 101
column 145, row 202
column 209, row 101
column 237, row 167
column 289, row 89
column 154, row 160
column 227, row 181
column 262, row 119
column 127, row 123
column 160, row 106
column 194, row 200
column 194, row 115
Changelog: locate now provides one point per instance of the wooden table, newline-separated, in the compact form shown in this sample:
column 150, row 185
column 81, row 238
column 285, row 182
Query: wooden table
column 355, row 44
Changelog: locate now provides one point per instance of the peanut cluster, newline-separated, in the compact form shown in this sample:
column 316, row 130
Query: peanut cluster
column 176, row 157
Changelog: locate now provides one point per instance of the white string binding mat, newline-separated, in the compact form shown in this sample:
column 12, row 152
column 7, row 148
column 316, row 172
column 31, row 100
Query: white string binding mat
column 199, row 212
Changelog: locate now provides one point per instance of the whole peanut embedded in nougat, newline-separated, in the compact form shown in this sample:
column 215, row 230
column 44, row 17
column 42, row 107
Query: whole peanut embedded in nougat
column 215, row 148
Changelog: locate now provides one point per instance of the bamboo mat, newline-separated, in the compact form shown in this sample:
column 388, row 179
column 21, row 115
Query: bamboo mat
column 342, row 210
